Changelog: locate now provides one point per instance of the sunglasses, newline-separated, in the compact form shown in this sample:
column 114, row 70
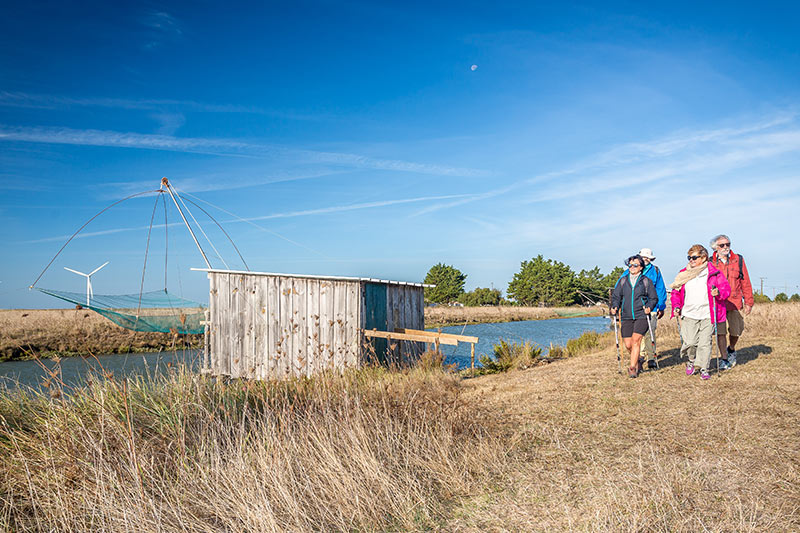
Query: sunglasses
column 634, row 265
column 724, row 245
column 693, row 257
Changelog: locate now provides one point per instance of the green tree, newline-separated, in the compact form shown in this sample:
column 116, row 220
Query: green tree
column 543, row 281
column 611, row 278
column 481, row 296
column 590, row 281
column 795, row 298
column 781, row 297
column 449, row 283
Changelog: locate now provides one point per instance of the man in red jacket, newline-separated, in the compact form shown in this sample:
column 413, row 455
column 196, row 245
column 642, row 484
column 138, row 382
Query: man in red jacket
column 741, row 298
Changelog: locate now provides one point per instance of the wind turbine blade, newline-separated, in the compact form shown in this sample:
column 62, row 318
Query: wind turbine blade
column 98, row 268
column 75, row 271
column 89, row 283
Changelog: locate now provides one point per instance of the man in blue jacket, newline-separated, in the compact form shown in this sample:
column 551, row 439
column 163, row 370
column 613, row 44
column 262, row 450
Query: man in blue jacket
column 647, row 349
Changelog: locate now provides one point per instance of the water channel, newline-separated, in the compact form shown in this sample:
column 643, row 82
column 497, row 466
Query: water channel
column 74, row 370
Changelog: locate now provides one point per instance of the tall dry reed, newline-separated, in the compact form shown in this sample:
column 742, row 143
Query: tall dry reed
column 371, row 450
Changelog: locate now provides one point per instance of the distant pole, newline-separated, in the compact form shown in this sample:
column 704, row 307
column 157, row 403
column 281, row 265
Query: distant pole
column 762, row 286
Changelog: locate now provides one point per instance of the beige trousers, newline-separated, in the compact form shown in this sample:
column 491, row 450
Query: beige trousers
column 697, row 341
column 647, row 349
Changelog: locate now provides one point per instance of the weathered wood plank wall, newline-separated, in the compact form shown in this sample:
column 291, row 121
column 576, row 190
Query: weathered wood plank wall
column 274, row 327
column 405, row 309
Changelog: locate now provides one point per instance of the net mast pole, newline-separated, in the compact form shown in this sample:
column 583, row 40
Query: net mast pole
column 165, row 183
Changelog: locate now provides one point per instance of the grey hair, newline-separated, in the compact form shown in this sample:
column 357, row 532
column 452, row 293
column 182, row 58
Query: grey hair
column 713, row 242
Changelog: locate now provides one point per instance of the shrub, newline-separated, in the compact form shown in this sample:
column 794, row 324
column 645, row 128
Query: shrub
column 481, row 296
column 781, row 297
column 587, row 342
column 557, row 351
column 795, row 298
column 761, row 298
column 509, row 356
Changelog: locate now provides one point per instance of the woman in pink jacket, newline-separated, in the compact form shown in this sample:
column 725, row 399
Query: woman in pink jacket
column 698, row 297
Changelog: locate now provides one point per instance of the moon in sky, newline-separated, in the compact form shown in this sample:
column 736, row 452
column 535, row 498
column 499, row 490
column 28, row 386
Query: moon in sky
column 474, row 67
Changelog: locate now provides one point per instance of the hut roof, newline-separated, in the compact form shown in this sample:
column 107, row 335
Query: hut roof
column 310, row 276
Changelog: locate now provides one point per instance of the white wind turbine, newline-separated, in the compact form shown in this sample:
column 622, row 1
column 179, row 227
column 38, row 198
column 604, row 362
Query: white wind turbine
column 89, row 292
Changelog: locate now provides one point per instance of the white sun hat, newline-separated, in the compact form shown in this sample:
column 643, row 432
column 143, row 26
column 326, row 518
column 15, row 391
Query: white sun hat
column 647, row 252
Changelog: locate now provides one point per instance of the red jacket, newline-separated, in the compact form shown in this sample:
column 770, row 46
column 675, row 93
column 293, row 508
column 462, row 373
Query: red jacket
column 740, row 288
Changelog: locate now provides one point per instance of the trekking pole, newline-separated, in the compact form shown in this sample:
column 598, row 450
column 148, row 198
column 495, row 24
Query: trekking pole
column 714, row 315
column 616, row 338
column 652, row 337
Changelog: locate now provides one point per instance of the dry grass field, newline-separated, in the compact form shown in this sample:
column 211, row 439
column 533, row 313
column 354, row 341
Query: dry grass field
column 663, row 452
column 24, row 332
column 568, row 446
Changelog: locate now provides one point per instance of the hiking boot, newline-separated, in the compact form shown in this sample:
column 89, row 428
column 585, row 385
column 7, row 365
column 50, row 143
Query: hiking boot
column 704, row 374
column 724, row 364
column 651, row 364
column 731, row 357
column 689, row 369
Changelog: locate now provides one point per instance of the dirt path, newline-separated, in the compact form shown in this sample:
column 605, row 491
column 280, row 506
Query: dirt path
column 664, row 452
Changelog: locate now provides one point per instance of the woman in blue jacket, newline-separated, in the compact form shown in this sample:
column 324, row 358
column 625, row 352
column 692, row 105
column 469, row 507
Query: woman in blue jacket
column 634, row 297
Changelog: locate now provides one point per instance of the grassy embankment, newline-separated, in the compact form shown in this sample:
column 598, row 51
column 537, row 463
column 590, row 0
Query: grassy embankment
column 569, row 446
column 46, row 332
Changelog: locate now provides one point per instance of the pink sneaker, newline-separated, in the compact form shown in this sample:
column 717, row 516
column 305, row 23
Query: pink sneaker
column 704, row 374
column 689, row 369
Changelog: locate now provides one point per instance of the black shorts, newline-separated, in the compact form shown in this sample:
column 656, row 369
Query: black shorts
column 629, row 327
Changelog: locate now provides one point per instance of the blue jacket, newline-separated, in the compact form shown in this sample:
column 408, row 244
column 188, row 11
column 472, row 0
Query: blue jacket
column 652, row 272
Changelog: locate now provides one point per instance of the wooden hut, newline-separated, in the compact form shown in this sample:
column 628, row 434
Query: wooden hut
column 271, row 326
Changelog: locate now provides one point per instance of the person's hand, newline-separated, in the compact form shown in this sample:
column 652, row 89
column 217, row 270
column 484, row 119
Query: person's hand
column 647, row 310
column 676, row 312
column 659, row 313
column 747, row 309
column 614, row 311
column 715, row 292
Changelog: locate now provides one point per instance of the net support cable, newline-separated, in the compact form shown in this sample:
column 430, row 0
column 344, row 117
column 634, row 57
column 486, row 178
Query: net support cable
column 221, row 229
column 178, row 196
column 155, row 311
column 165, row 183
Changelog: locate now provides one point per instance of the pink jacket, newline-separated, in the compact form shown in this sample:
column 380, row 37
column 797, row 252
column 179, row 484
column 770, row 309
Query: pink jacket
column 715, row 279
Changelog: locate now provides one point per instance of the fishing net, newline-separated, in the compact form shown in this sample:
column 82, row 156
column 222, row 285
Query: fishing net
column 156, row 311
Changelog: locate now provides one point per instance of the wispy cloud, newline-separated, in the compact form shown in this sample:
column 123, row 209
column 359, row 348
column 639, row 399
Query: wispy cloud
column 49, row 101
column 161, row 26
column 227, row 147
column 288, row 214
column 689, row 154
column 169, row 122
column 224, row 181
column 353, row 207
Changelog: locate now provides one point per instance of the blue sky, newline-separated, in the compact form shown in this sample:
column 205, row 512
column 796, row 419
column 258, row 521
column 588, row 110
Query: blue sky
column 354, row 138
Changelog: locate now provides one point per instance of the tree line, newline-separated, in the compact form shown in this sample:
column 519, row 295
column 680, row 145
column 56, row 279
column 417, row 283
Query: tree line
column 539, row 282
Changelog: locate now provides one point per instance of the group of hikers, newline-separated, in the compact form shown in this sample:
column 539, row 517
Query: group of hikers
column 709, row 298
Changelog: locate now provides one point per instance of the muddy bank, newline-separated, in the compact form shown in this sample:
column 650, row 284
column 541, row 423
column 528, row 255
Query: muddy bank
column 45, row 332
